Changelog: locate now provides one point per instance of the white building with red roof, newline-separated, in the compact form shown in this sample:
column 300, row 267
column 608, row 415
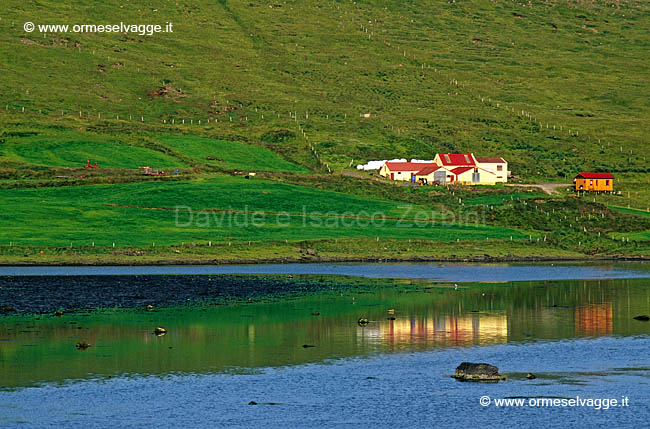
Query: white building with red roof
column 448, row 168
column 404, row 171
column 498, row 166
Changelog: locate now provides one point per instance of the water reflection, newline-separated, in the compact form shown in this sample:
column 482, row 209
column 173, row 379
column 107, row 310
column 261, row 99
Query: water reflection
column 408, row 316
column 594, row 319
column 440, row 331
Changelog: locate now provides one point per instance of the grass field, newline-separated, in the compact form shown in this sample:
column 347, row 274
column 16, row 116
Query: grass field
column 218, row 209
column 500, row 198
column 48, row 147
column 301, row 89
column 74, row 149
column 443, row 76
column 336, row 249
column 230, row 155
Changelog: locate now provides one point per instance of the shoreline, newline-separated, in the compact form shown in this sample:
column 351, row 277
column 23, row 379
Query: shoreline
column 343, row 250
column 324, row 260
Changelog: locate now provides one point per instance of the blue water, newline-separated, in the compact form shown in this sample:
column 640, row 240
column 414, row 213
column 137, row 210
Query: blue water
column 461, row 272
column 385, row 387
column 394, row 390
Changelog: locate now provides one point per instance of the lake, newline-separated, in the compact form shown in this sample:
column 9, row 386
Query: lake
column 305, row 361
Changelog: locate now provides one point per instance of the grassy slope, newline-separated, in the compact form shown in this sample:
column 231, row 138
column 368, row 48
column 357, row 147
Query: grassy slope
column 433, row 76
column 73, row 149
column 240, row 210
column 338, row 249
column 229, row 154
column 41, row 146
column 584, row 70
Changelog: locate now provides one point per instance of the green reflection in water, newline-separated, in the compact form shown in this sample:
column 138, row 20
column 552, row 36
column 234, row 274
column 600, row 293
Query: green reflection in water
column 242, row 337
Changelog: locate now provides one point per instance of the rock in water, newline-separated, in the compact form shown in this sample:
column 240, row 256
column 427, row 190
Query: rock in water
column 643, row 318
column 530, row 376
column 159, row 331
column 468, row 371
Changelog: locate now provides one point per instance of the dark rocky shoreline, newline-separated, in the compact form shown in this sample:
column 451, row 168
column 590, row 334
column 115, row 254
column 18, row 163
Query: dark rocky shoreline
column 44, row 294
column 329, row 259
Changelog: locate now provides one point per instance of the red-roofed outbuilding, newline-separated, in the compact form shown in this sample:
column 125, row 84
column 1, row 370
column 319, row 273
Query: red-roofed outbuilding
column 403, row 170
column 595, row 182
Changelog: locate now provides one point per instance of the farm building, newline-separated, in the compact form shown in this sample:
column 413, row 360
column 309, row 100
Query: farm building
column 498, row 166
column 432, row 174
column 448, row 168
column 404, row 171
column 473, row 176
column 452, row 160
column 596, row 182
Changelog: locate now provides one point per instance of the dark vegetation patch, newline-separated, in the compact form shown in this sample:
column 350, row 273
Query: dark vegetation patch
column 44, row 294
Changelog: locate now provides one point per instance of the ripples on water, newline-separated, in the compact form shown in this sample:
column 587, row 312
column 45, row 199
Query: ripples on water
column 394, row 390
column 579, row 337
column 436, row 271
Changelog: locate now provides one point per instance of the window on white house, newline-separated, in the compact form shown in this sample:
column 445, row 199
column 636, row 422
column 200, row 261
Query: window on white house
column 499, row 167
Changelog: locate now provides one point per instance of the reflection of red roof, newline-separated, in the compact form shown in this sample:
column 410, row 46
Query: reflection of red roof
column 461, row 170
column 408, row 166
column 457, row 159
column 595, row 175
column 491, row 160
column 428, row 170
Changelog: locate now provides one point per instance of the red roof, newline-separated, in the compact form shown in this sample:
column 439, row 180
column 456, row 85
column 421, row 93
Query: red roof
column 428, row 170
column 596, row 175
column 457, row 159
column 408, row 166
column 491, row 160
column 461, row 170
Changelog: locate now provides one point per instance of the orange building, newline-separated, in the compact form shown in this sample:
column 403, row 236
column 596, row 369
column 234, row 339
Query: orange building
column 597, row 182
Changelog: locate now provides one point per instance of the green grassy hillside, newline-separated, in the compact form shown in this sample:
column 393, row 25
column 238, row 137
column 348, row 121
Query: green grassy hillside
column 229, row 155
column 214, row 210
column 302, row 91
column 46, row 147
column 70, row 149
column 433, row 76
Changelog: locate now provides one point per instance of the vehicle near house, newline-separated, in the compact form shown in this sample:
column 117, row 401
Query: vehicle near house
column 148, row 171
column 432, row 174
column 594, row 182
